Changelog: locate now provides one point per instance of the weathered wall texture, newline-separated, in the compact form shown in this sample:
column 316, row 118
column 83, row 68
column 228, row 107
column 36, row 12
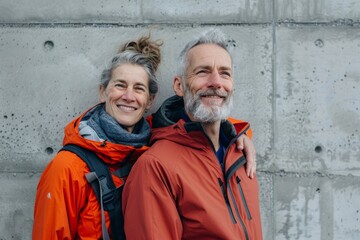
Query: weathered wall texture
column 298, row 83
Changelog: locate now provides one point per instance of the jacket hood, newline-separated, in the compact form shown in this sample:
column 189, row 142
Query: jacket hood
column 169, row 112
column 111, row 153
column 168, row 124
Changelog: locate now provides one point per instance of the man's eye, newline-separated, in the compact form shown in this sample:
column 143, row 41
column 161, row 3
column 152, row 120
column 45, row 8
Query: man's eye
column 227, row 74
column 202, row 72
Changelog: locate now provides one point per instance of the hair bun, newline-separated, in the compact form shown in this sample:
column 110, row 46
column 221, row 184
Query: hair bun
column 144, row 45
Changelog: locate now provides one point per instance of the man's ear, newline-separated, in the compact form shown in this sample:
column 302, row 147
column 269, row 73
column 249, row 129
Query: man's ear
column 102, row 93
column 178, row 86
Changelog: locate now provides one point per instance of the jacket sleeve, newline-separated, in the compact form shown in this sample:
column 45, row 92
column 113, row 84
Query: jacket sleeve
column 149, row 204
column 57, row 203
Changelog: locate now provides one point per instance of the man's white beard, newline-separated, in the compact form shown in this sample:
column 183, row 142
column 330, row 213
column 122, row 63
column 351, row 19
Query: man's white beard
column 204, row 113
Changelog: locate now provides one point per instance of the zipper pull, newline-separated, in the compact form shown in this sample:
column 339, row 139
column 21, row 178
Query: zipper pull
column 221, row 183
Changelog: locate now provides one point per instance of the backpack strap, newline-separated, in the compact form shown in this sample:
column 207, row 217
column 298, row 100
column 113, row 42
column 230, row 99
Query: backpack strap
column 93, row 179
column 105, row 190
column 123, row 171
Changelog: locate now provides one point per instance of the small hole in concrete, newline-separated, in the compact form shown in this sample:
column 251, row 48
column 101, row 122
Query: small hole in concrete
column 319, row 43
column 231, row 43
column 318, row 149
column 49, row 150
column 48, row 45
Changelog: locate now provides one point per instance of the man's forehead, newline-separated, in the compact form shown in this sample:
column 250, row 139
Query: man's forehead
column 209, row 53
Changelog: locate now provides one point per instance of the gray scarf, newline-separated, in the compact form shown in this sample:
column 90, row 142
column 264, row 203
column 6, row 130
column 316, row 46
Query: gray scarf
column 107, row 128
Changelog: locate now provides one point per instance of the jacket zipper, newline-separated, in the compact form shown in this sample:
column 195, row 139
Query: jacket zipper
column 243, row 198
column 233, row 169
column 236, row 137
column 221, row 183
column 223, row 190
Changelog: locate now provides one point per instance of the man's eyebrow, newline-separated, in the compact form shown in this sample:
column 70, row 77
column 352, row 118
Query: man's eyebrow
column 225, row 68
column 202, row 67
column 209, row 67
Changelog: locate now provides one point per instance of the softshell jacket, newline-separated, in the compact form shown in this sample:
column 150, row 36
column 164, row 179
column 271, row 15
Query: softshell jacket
column 183, row 192
column 66, row 206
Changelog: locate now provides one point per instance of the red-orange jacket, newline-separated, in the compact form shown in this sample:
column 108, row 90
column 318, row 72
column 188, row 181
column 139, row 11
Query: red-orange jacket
column 178, row 190
column 66, row 206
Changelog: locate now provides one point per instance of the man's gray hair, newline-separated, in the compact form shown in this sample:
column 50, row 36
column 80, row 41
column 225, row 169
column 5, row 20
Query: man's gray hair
column 211, row 36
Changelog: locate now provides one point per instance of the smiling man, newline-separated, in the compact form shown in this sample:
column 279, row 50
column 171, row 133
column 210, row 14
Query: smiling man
column 192, row 183
column 209, row 75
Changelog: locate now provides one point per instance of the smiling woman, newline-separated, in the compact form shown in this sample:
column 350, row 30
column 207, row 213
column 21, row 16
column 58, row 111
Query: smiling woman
column 129, row 85
column 127, row 95
column 66, row 207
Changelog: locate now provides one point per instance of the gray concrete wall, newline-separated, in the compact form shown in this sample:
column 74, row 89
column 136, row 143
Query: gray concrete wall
column 298, row 83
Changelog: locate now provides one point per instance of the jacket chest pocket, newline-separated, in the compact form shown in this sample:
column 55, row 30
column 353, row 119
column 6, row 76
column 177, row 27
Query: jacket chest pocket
column 242, row 195
column 239, row 201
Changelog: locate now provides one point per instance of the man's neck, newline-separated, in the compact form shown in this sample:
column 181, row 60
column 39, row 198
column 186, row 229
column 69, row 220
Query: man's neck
column 212, row 130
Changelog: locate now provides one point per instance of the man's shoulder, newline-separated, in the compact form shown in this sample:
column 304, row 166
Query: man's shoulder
column 162, row 152
column 164, row 147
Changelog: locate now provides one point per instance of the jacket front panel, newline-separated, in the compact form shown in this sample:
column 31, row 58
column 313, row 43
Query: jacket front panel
column 66, row 206
column 187, row 194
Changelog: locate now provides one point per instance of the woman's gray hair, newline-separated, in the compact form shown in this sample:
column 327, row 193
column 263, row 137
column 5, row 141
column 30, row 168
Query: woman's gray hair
column 211, row 36
column 131, row 57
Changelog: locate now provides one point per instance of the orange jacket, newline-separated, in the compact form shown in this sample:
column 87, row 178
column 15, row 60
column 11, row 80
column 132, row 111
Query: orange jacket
column 178, row 190
column 66, row 206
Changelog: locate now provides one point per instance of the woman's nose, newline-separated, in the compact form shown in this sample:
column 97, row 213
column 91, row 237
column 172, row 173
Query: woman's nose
column 128, row 95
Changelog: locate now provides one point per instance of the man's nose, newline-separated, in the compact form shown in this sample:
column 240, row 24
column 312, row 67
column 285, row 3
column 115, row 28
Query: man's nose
column 215, row 79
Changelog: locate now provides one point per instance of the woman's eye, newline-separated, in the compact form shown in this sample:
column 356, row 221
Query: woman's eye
column 140, row 89
column 120, row 85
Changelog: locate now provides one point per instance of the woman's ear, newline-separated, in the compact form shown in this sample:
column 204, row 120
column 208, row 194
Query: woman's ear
column 178, row 86
column 102, row 93
column 150, row 103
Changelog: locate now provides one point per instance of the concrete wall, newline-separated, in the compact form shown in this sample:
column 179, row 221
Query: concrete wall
column 298, row 83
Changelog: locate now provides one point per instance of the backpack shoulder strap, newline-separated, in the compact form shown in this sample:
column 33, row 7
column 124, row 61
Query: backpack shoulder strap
column 105, row 190
column 96, row 165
